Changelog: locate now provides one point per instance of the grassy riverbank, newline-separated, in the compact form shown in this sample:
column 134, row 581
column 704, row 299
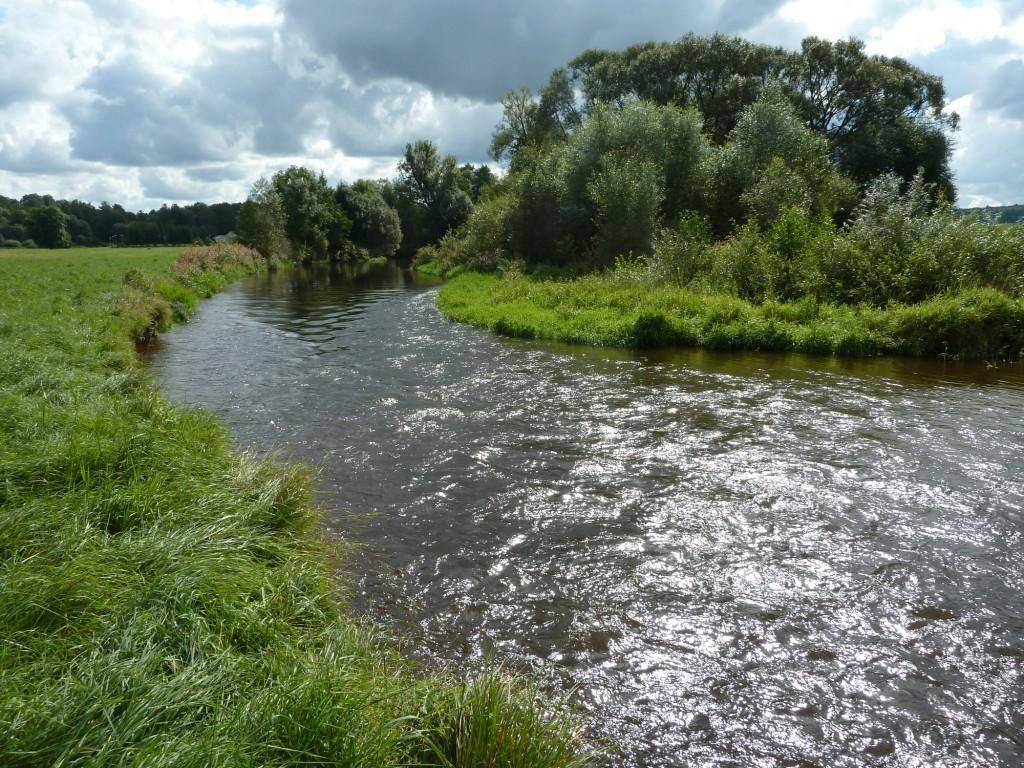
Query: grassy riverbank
column 165, row 601
column 609, row 310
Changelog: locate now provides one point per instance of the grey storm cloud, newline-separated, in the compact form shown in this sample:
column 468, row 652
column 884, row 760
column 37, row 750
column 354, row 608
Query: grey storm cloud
column 480, row 50
column 1004, row 92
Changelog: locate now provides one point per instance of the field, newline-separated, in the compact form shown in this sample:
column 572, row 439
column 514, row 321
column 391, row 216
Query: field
column 607, row 310
column 166, row 601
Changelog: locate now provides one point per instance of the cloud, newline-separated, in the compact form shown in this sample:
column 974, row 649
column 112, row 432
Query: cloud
column 149, row 101
column 990, row 157
column 1004, row 92
column 34, row 139
column 480, row 50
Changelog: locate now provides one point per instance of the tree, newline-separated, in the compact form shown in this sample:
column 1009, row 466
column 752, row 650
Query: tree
column 428, row 194
column 719, row 75
column 880, row 114
column 770, row 162
column 476, row 179
column 47, row 225
column 315, row 224
column 536, row 121
column 261, row 221
column 604, row 191
column 375, row 224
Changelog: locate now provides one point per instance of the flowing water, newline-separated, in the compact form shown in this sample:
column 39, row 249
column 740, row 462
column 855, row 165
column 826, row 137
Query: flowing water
column 733, row 560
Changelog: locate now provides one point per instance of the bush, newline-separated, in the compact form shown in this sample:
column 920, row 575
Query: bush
column 682, row 255
column 770, row 163
column 11, row 244
column 30, row 243
column 626, row 195
column 605, row 191
column 909, row 249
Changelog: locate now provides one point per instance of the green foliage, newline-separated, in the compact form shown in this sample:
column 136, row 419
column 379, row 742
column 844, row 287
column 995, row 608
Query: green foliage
column 315, row 224
column 771, row 162
column 48, row 226
column 432, row 194
column 89, row 224
column 718, row 75
column 606, row 189
column 904, row 248
column 977, row 323
column 261, row 222
column 626, row 195
column 167, row 602
column 1005, row 214
column 682, row 254
column 878, row 113
column 535, row 122
column 481, row 243
column 881, row 114
column 375, row 224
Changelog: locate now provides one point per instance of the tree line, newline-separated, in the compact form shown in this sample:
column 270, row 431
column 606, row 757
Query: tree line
column 40, row 220
column 294, row 214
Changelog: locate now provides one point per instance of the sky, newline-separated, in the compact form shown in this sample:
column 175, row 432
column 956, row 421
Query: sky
column 151, row 101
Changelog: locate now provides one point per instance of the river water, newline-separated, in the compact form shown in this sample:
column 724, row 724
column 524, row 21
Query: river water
column 730, row 560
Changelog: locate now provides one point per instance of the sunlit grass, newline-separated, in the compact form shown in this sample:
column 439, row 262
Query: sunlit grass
column 165, row 601
column 606, row 310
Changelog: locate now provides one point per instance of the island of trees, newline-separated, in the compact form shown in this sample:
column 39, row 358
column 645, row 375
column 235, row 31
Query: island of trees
column 718, row 192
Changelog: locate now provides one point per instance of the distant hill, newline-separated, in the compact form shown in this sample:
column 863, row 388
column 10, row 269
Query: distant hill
column 1005, row 214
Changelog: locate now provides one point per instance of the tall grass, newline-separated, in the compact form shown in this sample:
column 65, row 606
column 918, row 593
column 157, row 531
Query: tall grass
column 167, row 602
column 610, row 309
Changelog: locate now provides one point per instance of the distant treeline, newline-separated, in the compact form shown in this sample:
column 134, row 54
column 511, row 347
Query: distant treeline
column 999, row 214
column 295, row 214
column 40, row 220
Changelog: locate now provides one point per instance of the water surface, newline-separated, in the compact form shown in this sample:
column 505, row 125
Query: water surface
column 734, row 560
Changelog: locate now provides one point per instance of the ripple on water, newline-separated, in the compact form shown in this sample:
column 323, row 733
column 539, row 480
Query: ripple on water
column 732, row 560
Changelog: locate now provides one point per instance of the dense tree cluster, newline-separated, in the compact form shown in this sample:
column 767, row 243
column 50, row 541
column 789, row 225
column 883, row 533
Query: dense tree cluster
column 297, row 214
column 620, row 146
column 879, row 114
column 724, row 166
column 41, row 220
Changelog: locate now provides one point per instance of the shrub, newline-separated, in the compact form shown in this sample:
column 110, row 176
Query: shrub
column 626, row 195
column 11, row 244
column 772, row 162
column 682, row 254
column 606, row 190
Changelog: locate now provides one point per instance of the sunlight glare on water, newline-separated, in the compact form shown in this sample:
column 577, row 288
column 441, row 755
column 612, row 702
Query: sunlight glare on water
column 731, row 559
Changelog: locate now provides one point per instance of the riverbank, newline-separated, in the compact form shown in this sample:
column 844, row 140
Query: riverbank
column 166, row 601
column 607, row 310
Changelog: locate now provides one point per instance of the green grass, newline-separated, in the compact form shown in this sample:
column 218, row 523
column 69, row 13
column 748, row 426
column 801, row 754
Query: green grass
column 607, row 310
column 165, row 601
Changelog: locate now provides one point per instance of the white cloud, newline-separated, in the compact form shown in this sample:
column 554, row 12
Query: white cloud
column 145, row 101
column 929, row 26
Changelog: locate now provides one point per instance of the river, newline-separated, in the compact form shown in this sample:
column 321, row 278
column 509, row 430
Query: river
column 728, row 559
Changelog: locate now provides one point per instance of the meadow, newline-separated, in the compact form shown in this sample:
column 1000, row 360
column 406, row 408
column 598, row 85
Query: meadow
column 165, row 600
